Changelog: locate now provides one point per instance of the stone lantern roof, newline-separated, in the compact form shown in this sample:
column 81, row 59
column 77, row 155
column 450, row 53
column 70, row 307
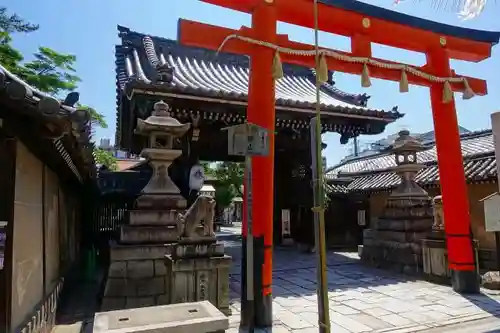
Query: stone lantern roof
column 160, row 121
column 405, row 150
column 406, row 143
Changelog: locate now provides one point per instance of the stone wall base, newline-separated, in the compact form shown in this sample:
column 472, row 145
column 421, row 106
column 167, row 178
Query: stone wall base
column 401, row 259
column 138, row 281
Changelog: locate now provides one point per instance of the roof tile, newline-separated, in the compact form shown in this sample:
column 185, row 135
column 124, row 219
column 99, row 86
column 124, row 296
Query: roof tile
column 374, row 172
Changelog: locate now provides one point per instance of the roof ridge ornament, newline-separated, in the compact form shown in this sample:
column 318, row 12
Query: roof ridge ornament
column 164, row 73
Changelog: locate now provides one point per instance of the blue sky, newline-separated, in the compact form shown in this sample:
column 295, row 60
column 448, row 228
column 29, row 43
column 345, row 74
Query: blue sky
column 87, row 28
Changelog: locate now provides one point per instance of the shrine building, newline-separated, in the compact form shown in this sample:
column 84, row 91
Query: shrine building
column 366, row 182
column 209, row 90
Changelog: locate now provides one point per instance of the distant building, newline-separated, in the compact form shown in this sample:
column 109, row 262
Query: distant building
column 105, row 144
column 124, row 160
column 382, row 144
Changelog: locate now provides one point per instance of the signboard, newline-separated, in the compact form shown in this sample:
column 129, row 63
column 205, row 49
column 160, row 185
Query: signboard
column 362, row 217
column 492, row 212
column 285, row 223
column 247, row 139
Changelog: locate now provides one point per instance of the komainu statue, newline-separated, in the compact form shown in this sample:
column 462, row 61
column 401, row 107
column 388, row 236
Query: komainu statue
column 201, row 213
column 437, row 208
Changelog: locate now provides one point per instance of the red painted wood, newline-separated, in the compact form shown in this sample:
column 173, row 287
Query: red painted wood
column 349, row 23
column 451, row 171
column 261, row 111
column 214, row 36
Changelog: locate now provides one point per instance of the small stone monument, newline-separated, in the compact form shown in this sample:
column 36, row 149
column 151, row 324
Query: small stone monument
column 394, row 239
column 137, row 274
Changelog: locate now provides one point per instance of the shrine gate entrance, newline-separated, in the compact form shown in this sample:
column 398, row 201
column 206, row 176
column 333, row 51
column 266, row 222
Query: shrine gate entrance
column 364, row 24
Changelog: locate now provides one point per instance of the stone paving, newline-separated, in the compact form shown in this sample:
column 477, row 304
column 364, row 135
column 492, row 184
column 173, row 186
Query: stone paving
column 362, row 299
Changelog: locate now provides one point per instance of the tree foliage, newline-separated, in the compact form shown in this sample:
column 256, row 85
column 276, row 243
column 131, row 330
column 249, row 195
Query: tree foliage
column 228, row 180
column 10, row 23
column 104, row 157
column 51, row 72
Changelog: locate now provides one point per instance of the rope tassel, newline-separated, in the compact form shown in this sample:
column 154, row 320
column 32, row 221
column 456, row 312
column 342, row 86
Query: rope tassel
column 365, row 77
column 322, row 69
column 403, row 83
column 447, row 92
column 468, row 92
column 277, row 70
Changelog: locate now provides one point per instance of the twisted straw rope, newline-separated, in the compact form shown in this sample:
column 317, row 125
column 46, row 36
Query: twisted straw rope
column 338, row 56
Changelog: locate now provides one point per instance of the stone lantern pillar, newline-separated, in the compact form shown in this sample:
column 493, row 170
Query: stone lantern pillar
column 394, row 239
column 161, row 131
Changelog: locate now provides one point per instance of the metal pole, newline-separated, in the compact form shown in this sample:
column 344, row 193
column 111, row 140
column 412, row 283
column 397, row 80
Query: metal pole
column 249, row 247
column 319, row 210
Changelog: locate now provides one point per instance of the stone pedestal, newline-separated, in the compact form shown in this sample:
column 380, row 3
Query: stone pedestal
column 137, row 276
column 198, row 272
column 435, row 260
column 394, row 241
column 435, row 257
column 137, row 273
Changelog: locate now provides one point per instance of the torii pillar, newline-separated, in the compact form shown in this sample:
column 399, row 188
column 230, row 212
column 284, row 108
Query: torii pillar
column 261, row 111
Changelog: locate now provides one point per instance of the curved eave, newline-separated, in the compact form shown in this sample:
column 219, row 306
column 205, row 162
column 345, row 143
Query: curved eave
column 241, row 98
column 491, row 37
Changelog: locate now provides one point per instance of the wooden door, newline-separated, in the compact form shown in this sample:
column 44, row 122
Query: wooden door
column 7, row 183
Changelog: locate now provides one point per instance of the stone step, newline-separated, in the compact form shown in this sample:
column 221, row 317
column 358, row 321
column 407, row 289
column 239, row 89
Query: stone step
column 148, row 234
column 200, row 317
column 70, row 328
column 119, row 252
column 153, row 217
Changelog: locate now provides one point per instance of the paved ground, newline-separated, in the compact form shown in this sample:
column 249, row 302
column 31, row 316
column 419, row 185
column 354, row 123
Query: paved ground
column 362, row 299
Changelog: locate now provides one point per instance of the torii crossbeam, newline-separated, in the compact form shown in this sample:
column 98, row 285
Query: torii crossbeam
column 364, row 24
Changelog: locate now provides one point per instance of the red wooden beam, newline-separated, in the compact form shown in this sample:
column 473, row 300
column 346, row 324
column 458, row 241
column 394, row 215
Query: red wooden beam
column 350, row 23
column 213, row 36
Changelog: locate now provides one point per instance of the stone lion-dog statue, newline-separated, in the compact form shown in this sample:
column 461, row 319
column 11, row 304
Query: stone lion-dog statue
column 201, row 212
column 437, row 208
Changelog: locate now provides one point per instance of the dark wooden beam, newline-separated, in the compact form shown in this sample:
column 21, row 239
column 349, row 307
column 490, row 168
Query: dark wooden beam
column 7, row 188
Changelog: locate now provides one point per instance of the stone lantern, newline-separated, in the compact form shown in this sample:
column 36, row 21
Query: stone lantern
column 405, row 149
column 161, row 131
column 394, row 239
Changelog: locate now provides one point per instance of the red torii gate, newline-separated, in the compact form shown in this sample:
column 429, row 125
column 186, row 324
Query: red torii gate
column 365, row 24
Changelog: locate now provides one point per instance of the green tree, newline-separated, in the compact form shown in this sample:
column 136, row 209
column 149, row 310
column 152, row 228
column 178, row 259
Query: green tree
column 10, row 23
column 9, row 56
column 229, row 180
column 50, row 72
column 104, row 157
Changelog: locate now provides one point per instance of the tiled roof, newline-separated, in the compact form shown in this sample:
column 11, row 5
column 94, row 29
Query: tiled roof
column 202, row 72
column 374, row 172
column 71, row 125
